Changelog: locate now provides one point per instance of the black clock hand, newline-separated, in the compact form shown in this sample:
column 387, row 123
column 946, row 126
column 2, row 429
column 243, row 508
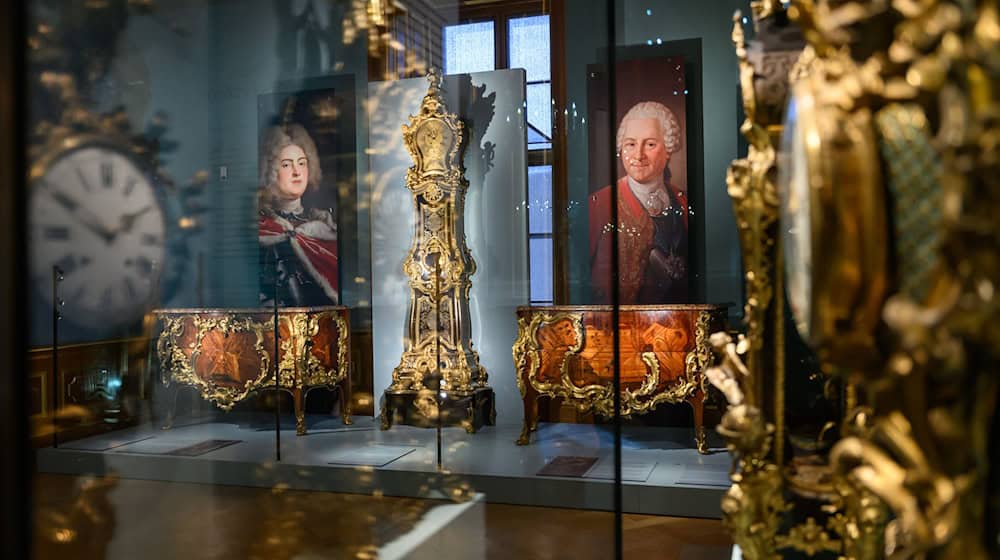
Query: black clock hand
column 127, row 221
column 66, row 202
column 83, row 215
column 86, row 184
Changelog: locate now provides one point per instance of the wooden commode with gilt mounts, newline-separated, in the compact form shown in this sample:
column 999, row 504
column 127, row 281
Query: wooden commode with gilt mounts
column 227, row 354
column 568, row 352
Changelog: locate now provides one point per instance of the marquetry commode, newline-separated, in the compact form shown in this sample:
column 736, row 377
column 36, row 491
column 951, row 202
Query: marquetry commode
column 568, row 352
column 227, row 354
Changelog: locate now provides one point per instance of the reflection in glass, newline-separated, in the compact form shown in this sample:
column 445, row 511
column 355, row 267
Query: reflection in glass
column 796, row 225
column 540, row 199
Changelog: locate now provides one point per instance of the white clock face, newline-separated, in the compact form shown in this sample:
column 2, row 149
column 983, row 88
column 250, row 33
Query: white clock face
column 96, row 216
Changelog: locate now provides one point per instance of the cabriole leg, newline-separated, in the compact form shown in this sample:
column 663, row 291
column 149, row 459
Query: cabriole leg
column 299, row 400
column 697, row 402
column 530, row 415
column 345, row 401
column 172, row 391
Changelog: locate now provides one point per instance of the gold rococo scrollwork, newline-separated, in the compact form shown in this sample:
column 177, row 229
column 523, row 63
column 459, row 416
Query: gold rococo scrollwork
column 931, row 81
column 439, row 265
column 753, row 506
column 752, row 186
column 599, row 397
column 181, row 367
column 809, row 537
column 298, row 367
column 927, row 351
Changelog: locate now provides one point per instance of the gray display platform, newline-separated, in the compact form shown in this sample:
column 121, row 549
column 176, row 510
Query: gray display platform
column 681, row 482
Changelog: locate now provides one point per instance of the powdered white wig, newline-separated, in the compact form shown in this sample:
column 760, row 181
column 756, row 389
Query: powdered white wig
column 277, row 138
column 652, row 110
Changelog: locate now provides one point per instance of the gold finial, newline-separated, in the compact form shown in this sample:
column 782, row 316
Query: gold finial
column 434, row 77
column 434, row 135
column 433, row 103
column 739, row 36
column 762, row 9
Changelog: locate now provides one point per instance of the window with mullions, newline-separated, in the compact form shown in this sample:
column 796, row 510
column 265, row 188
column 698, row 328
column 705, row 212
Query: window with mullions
column 472, row 47
column 469, row 47
column 528, row 43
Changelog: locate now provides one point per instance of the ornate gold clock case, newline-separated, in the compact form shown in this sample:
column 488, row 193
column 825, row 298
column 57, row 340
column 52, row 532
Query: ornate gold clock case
column 888, row 188
column 439, row 377
column 806, row 213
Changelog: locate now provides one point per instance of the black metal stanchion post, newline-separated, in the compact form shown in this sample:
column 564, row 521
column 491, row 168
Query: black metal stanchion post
column 437, row 351
column 200, row 279
column 616, row 382
column 57, row 277
column 274, row 365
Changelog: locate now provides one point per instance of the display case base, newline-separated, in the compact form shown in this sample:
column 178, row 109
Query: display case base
column 471, row 410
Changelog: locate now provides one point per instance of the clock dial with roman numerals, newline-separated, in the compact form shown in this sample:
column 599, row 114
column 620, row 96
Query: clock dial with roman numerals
column 95, row 214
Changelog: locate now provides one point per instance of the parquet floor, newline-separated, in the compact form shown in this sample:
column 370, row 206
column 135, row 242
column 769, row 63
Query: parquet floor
column 543, row 533
column 151, row 520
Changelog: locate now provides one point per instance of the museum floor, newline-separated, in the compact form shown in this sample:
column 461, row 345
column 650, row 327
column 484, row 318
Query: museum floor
column 663, row 474
column 183, row 520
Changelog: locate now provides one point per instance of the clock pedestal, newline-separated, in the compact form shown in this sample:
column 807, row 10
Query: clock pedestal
column 227, row 354
column 471, row 410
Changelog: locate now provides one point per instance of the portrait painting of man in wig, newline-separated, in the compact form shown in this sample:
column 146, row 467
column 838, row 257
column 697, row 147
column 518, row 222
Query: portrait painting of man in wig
column 652, row 221
column 298, row 244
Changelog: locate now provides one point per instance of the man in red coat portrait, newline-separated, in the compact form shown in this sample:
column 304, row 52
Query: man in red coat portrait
column 652, row 215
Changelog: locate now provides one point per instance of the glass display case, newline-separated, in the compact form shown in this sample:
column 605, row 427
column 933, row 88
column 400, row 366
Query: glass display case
column 388, row 279
column 499, row 278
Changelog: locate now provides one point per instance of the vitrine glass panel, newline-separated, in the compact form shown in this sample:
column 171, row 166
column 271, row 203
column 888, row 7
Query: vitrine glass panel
column 338, row 278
